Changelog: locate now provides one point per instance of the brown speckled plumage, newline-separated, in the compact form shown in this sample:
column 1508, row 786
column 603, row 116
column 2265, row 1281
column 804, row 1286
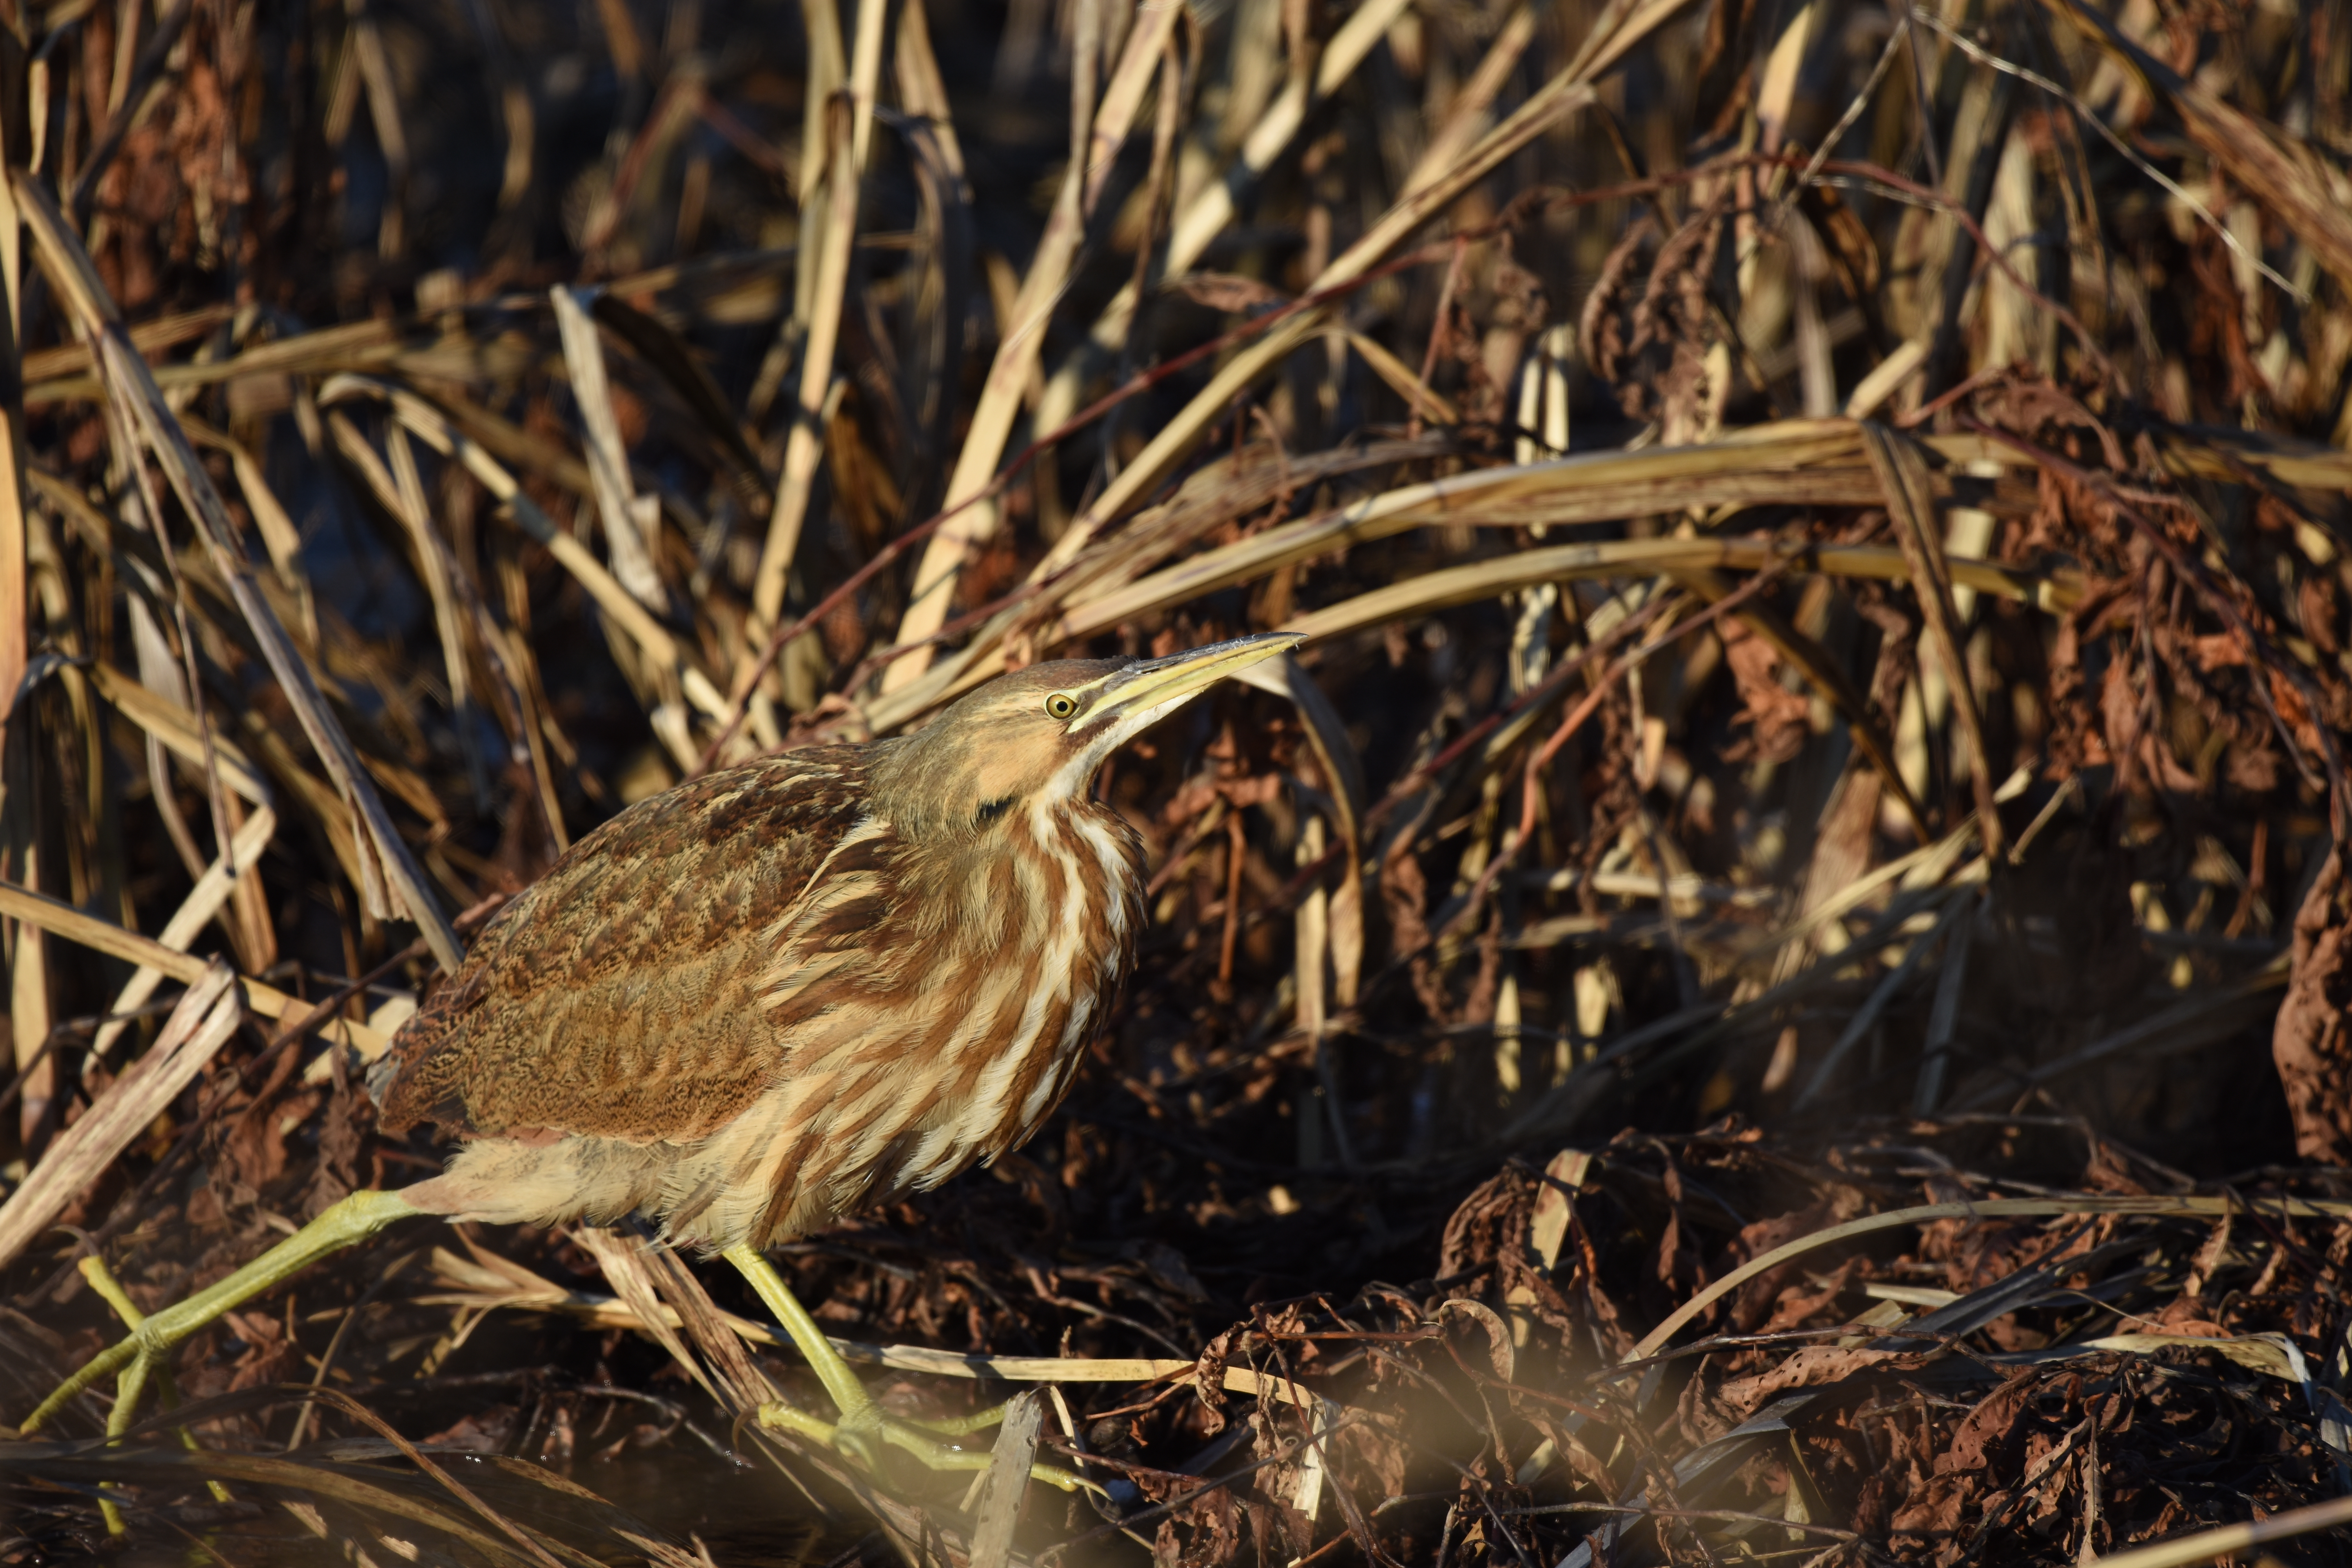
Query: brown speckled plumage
column 749, row 1006
column 615, row 997
column 755, row 1003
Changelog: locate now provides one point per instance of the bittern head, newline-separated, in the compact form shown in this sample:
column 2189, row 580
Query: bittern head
column 1039, row 735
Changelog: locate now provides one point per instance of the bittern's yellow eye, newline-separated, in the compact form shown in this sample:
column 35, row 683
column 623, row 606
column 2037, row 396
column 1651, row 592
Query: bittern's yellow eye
column 1061, row 705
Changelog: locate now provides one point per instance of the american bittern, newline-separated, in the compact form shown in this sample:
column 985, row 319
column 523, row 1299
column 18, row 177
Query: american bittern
column 764, row 999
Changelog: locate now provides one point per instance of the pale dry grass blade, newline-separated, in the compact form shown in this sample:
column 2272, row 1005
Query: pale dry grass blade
column 943, row 298
column 28, row 969
column 715, row 1335
column 663, row 349
column 375, row 68
column 1006, row 1481
column 1311, row 944
column 2218, row 455
column 1211, row 209
column 154, row 335
column 623, row 1267
column 175, row 728
column 1882, row 381
column 1657, row 1338
column 629, row 529
column 380, row 847
column 1212, row 496
column 358, row 346
column 1466, row 117
column 1447, row 587
column 826, row 72
column 2307, row 195
column 279, row 535
column 16, row 463
column 1619, row 28
column 2271, row 1354
column 62, row 919
column 431, row 425
column 2226, row 1542
column 202, row 1022
column 1403, row 381
column 1340, row 920
column 1640, row 557
column 1903, row 478
column 1944, row 861
column 399, row 490
column 1123, row 97
column 804, row 443
column 205, row 901
column 1820, row 465
column 509, row 443
column 973, row 514
column 441, row 576
column 837, row 138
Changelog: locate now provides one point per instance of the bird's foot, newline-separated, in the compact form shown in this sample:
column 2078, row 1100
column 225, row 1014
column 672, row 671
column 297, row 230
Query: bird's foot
column 143, row 1355
column 863, row 1432
column 139, row 1357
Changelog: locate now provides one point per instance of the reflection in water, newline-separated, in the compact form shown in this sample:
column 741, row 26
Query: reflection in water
column 363, row 1503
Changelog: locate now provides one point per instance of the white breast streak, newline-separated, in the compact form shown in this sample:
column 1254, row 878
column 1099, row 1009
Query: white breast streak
column 948, row 1147
column 745, row 1160
column 778, row 983
column 747, row 1150
column 1082, row 990
column 864, row 831
column 1113, row 871
column 1117, row 913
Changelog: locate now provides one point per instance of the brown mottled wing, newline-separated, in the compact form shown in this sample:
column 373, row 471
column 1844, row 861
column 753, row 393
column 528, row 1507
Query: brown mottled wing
column 615, row 998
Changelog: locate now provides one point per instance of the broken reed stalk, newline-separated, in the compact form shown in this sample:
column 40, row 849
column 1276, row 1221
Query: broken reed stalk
column 208, row 1012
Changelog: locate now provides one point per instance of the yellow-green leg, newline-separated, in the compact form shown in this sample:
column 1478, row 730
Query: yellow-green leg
column 863, row 1428
column 142, row 1354
column 93, row 1269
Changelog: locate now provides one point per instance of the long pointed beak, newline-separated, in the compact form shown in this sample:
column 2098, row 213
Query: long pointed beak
column 1143, row 692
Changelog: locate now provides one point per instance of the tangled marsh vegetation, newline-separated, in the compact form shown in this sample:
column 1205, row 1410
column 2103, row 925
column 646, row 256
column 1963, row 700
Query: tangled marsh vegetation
column 1768, row 983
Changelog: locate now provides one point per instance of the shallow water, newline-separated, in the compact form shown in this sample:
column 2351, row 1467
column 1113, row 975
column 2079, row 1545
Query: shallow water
column 360, row 1503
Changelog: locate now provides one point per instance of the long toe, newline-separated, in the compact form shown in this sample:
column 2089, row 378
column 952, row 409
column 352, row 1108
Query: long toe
column 919, row 1441
column 963, row 1425
column 864, row 1433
